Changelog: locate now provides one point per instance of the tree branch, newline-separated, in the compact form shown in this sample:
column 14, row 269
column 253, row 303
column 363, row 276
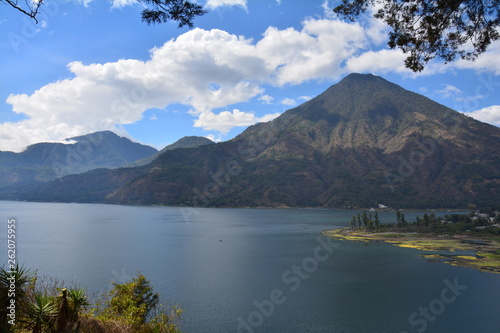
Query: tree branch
column 33, row 11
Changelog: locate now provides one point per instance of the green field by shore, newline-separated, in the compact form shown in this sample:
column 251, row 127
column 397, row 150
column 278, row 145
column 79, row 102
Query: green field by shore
column 484, row 250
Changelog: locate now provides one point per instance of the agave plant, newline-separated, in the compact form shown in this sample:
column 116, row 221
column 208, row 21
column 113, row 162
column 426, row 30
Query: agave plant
column 13, row 283
column 19, row 276
column 40, row 314
column 78, row 302
column 69, row 305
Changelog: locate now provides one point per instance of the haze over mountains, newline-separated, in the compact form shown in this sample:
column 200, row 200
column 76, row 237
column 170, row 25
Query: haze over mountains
column 362, row 142
column 47, row 161
column 44, row 162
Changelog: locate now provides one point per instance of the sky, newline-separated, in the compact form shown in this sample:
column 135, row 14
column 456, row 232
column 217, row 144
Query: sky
column 93, row 65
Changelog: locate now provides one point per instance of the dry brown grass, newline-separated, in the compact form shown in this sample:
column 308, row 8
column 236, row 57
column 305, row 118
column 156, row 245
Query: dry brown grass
column 90, row 324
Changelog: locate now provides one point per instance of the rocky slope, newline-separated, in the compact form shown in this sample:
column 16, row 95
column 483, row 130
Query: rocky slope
column 362, row 142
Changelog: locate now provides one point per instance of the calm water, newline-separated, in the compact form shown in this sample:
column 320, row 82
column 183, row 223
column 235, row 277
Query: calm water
column 242, row 270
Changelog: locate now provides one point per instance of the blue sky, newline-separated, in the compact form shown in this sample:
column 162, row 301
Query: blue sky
column 94, row 65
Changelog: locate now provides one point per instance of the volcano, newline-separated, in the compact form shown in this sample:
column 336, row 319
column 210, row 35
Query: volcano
column 364, row 141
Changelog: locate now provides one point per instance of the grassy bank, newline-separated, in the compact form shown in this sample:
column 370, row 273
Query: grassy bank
column 485, row 249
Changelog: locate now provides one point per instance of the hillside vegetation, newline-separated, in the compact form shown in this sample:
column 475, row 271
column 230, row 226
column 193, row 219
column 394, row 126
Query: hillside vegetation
column 362, row 142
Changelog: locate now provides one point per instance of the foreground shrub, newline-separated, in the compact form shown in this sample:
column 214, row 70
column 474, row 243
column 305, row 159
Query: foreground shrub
column 135, row 304
column 47, row 307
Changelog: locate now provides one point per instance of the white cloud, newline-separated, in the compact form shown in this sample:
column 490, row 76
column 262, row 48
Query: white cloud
column 213, row 4
column 266, row 99
column 202, row 69
column 106, row 96
column 488, row 61
column 490, row 115
column 315, row 52
column 463, row 101
column 288, row 101
column 226, row 120
column 449, row 91
column 122, row 3
column 376, row 29
column 327, row 10
column 205, row 70
column 214, row 138
column 382, row 61
column 268, row 117
column 85, row 3
column 468, row 99
column 114, row 3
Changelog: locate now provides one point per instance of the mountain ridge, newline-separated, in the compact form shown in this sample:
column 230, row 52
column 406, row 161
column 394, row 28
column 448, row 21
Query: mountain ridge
column 362, row 142
column 184, row 142
column 45, row 161
column 380, row 112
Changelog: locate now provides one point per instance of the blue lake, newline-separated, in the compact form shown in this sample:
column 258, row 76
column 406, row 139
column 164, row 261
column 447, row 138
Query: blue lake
column 254, row 270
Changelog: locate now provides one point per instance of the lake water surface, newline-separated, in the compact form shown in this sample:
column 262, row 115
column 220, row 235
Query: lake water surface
column 254, row 270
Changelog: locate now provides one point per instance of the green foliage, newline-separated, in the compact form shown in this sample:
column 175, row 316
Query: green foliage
column 450, row 223
column 370, row 223
column 135, row 304
column 163, row 11
column 364, row 219
column 426, row 220
column 78, row 301
column 427, row 29
column 43, row 307
column 133, row 301
column 39, row 307
column 400, row 218
column 454, row 218
column 165, row 323
column 160, row 11
column 21, row 279
column 41, row 314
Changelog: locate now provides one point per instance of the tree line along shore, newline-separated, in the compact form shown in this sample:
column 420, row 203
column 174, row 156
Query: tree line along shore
column 474, row 237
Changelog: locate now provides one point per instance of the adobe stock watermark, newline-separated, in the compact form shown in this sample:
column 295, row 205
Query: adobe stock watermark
column 420, row 319
column 11, row 265
column 292, row 279
column 408, row 164
column 30, row 29
column 219, row 180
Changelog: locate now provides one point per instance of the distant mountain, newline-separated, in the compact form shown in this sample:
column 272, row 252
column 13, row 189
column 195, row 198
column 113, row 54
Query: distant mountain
column 43, row 162
column 185, row 142
column 362, row 142
column 188, row 142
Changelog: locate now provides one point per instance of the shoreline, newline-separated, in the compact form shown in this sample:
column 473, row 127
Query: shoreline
column 414, row 210
column 485, row 249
